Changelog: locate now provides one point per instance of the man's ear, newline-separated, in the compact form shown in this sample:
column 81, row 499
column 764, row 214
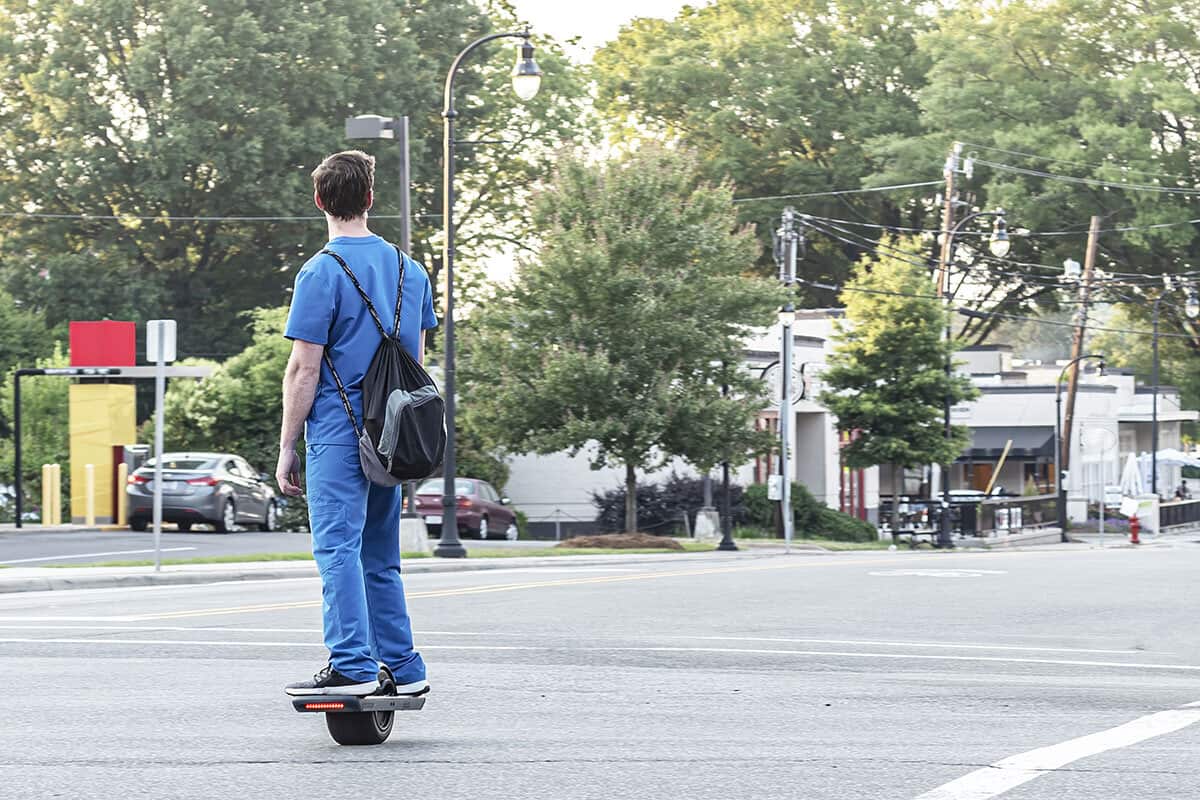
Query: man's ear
column 370, row 199
column 317, row 200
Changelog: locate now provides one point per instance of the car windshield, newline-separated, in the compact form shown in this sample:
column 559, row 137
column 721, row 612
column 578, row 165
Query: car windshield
column 182, row 463
column 434, row 486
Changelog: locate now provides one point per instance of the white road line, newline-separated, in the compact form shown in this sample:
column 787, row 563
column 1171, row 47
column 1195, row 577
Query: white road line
column 852, row 642
column 1008, row 773
column 621, row 649
column 95, row 555
column 236, row 643
column 946, row 645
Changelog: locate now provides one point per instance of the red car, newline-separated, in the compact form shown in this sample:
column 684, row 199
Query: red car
column 481, row 511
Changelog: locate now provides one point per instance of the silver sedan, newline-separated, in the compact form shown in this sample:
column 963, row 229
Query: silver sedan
column 218, row 489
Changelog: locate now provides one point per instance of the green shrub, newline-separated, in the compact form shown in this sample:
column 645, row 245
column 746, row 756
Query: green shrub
column 812, row 517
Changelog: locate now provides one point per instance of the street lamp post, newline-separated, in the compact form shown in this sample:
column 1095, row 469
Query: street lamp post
column 526, row 78
column 1060, row 485
column 999, row 245
column 727, row 542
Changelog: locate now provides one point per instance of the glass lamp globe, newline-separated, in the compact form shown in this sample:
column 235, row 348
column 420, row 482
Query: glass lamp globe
column 526, row 75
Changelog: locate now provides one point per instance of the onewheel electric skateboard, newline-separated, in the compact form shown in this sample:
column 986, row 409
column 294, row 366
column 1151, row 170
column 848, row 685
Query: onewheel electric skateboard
column 361, row 720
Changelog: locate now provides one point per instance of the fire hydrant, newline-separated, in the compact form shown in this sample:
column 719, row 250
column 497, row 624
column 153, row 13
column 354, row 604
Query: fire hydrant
column 1134, row 528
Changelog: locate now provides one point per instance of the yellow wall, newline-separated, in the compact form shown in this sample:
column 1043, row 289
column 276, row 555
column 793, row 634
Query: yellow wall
column 102, row 415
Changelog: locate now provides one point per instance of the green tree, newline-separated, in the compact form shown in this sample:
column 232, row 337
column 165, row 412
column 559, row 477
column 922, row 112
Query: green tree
column 44, row 434
column 886, row 378
column 1090, row 90
column 23, row 339
column 167, row 114
column 781, row 97
column 618, row 330
column 238, row 407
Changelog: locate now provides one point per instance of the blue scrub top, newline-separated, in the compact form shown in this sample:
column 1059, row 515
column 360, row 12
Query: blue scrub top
column 326, row 310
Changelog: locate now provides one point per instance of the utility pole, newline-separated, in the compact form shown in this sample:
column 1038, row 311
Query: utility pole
column 1085, row 287
column 953, row 166
column 944, row 256
column 788, row 240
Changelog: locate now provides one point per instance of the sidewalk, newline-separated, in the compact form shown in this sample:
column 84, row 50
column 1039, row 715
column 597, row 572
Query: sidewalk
column 38, row 579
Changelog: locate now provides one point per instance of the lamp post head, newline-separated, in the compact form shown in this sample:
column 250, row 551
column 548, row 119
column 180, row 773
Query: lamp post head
column 526, row 75
column 999, row 243
column 370, row 126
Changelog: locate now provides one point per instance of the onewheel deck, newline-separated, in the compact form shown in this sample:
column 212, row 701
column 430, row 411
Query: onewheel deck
column 333, row 704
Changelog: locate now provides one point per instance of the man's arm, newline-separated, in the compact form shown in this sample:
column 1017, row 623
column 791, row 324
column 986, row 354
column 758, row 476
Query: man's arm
column 299, row 389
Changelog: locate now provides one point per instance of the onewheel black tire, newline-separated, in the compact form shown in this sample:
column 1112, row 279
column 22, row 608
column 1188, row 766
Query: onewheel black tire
column 184, row 527
column 370, row 727
column 138, row 525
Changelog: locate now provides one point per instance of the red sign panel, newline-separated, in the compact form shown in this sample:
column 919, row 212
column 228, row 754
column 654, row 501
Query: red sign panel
column 103, row 344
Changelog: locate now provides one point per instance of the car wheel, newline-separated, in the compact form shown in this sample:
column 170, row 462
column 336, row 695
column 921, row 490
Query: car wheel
column 272, row 517
column 512, row 532
column 138, row 524
column 483, row 528
column 228, row 519
column 184, row 527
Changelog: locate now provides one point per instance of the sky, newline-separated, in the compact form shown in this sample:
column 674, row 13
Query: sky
column 595, row 21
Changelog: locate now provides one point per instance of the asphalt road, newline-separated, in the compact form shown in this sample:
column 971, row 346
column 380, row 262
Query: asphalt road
column 866, row 675
column 31, row 547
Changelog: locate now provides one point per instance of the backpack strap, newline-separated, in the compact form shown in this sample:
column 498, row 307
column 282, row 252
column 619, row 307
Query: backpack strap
column 337, row 379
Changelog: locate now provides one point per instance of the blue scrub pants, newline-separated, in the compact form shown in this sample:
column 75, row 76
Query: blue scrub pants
column 356, row 543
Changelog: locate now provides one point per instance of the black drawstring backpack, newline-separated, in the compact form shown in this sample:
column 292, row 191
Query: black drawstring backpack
column 403, row 435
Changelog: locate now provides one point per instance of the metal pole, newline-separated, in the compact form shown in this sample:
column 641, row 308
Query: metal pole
column 785, row 432
column 1060, row 488
column 945, row 538
column 400, row 125
column 449, row 546
column 17, row 442
column 405, row 185
column 726, row 497
column 160, row 381
column 1154, row 407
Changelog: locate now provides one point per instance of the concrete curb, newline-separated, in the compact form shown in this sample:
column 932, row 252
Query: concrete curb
column 41, row 579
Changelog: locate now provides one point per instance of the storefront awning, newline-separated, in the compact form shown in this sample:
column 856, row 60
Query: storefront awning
column 987, row 444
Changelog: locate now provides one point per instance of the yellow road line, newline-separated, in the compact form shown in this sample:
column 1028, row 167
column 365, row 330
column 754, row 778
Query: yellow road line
column 503, row 587
column 510, row 587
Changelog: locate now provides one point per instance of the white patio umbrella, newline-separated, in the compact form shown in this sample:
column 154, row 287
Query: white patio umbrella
column 1170, row 457
column 1131, row 478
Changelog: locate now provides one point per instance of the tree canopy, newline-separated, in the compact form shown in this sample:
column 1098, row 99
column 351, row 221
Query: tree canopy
column 149, row 124
column 1065, row 114
column 619, row 334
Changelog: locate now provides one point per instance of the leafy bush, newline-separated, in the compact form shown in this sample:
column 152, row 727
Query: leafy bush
column 812, row 517
column 662, row 507
column 294, row 515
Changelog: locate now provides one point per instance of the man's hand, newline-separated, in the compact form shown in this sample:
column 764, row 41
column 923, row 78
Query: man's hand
column 287, row 472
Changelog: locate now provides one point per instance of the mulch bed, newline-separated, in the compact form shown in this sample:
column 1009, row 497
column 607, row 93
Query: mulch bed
column 623, row 541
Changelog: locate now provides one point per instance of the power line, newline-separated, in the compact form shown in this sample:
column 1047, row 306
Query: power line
column 1021, row 234
column 1088, row 164
column 839, row 192
column 1135, row 187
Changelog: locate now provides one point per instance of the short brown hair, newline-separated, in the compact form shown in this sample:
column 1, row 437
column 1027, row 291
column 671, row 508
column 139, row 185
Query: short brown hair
column 343, row 182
